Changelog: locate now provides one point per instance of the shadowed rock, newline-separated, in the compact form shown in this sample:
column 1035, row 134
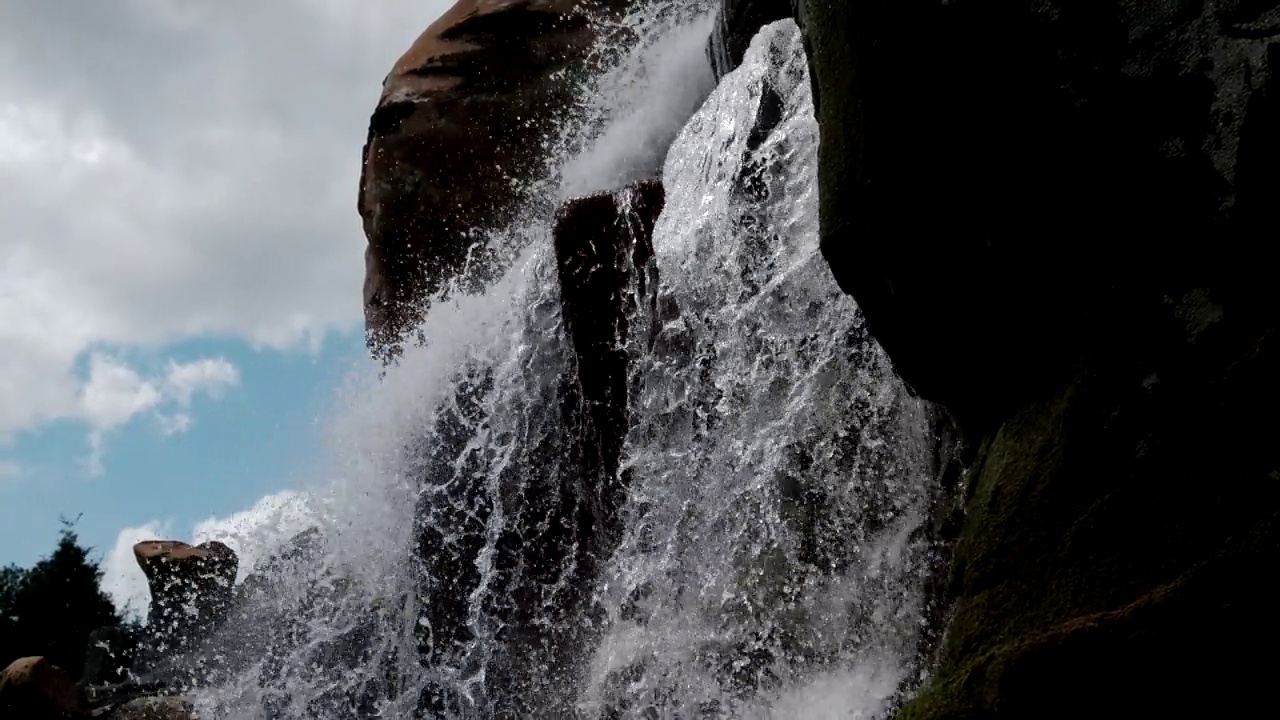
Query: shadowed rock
column 1053, row 217
column 558, row 483
column 454, row 142
column 603, row 246
column 191, row 587
column 109, row 656
column 737, row 22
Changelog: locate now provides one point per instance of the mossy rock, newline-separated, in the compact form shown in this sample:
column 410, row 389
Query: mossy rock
column 1115, row 554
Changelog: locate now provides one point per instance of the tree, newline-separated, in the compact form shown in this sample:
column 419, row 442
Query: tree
column 51, row 608
column 10, row 581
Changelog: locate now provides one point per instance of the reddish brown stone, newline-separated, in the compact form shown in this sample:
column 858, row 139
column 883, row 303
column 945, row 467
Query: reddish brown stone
column 458, row 129
column 33, row 688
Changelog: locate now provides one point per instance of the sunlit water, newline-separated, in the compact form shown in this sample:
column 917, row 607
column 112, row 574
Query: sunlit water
column 768, row 561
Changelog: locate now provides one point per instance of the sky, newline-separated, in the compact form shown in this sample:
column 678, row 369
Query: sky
column 180, row 259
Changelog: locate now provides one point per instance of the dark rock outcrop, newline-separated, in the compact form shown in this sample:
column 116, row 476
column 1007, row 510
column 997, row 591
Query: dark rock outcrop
column 191, row 587
column 737, row 22
column 109, row 655
column 33, row 688
column 998, row 178
column 603, row 245
column 1055, row 218
column 456, row 138
column 559, row 483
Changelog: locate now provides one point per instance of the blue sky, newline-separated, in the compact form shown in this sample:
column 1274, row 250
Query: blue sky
column 257, row 437
column 180, row 254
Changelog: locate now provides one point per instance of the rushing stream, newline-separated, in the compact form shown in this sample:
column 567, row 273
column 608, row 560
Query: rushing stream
column 764, row 559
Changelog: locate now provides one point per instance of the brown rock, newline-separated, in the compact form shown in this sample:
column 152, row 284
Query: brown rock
column 191, row 586
column 33, row 688
column 457, row 130
column 604, row 251
column 603, row 244
column 155, row 708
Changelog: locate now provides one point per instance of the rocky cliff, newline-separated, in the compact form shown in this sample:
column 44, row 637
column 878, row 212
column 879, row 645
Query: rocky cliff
column 1056, row 217
column 455, row 142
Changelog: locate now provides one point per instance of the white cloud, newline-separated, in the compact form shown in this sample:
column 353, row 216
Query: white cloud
column 10, row 472
column 253, row 534
column 115, row 393
column 209, row 375
column 175, row 424
column 172, row 171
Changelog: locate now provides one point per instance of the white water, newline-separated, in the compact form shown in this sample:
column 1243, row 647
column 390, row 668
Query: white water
column 767, row 565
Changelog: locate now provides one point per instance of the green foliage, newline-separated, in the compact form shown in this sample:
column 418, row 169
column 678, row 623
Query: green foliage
column 50, row 608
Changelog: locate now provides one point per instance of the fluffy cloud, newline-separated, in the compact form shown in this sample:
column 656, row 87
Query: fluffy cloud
column 254, row 534
column 115, row 393
column 209, row 375
column 171, row 170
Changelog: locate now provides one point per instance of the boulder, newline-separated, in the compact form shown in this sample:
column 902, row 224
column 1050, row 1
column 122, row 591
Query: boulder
column 996, row 179
column 1052, row 215
column 33, row 688
column 109, row 655
column 191, row 586
column 603, row 246
column 454, row 141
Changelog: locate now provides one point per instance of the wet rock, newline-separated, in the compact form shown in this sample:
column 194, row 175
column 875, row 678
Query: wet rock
column 737, row 22
column 33, row 688
column 1050, row 215
column 996, row 180
column 603, row 245
column 302, row 551
column 191, row 587
column 154, row 708
column 558, row 479
column 454, row 142
column 109, row 655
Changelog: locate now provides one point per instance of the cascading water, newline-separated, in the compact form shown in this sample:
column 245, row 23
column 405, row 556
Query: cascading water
column 779, row 465
column 753, row 551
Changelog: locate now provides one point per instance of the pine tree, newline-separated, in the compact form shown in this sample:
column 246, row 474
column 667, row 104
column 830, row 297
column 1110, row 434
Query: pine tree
column 11, row 579
column 51, row 608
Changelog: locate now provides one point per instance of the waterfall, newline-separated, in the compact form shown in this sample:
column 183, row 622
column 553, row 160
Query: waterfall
column 762, row 554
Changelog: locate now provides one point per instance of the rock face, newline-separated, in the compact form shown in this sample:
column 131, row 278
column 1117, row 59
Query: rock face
column 603, row 245
column 1002, row 177
column 560, row 489
column 33, row 688
column 1053, row 216
column 191, row 586
column 737, row 22
column 109, row 656
column 454, row 140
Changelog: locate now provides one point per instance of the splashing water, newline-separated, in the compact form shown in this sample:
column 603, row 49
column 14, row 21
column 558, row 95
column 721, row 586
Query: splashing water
column 765, row 558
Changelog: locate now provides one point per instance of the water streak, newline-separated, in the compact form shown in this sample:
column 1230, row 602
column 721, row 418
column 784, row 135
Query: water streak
column 769, row 562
